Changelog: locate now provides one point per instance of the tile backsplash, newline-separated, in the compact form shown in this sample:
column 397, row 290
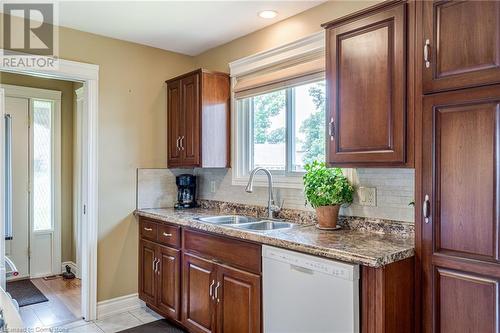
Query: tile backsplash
column 394, row 191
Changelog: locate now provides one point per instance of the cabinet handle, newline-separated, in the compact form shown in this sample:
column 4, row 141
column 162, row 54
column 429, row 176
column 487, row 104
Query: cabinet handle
column 427, row 47
column 210, row 293
column 331, row 129
column 426, row 209
column 148, row 229
column 158, row 266
column 216, row 290
column 167, row 235
column 154, row 265
column 182, row 142
column 177, row 143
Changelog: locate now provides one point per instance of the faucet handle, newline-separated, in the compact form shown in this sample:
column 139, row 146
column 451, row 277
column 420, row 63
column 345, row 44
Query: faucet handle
column 282, row 204
column 276, row 208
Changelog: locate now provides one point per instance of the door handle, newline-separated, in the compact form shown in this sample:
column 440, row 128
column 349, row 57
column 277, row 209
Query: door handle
column 210, row 292
column 216, row 296
column 182, row 142
column 427, row 47
column 331, row 129
column 426, row 209
column 167, row 235
column 148, row 229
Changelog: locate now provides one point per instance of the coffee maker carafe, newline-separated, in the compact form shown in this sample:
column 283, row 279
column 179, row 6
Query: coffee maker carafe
column 186, row 191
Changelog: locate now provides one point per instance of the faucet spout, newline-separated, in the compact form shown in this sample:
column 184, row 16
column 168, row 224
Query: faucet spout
column 270, row 203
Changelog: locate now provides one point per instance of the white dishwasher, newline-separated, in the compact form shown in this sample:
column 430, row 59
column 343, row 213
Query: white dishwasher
column 307, row 294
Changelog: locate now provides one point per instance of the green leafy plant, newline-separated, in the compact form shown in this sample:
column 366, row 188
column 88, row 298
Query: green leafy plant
column 326, row 186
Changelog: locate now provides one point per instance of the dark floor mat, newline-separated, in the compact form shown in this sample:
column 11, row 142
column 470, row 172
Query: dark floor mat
column 159, row 326
column 25, row 292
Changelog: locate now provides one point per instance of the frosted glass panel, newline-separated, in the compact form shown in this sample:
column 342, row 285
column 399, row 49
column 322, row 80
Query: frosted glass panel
column 42, row 165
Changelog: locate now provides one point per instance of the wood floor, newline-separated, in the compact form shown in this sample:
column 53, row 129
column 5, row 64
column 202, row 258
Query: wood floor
column 64, row 303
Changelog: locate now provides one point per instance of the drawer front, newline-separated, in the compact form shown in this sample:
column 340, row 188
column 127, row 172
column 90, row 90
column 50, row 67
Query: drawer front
column 169, row 235
column 148, row 230
column 233, row 252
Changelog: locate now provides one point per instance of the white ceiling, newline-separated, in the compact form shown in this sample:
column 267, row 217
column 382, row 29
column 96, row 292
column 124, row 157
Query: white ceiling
column 189, row 27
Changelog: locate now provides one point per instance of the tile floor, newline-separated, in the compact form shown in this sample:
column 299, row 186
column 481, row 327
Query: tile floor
column 113, row 323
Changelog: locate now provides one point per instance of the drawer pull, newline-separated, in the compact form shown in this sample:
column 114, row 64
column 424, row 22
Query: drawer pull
column 167, row 235
column 148, row 229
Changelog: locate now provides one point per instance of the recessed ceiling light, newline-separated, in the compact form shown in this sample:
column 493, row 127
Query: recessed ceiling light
column 268, row 14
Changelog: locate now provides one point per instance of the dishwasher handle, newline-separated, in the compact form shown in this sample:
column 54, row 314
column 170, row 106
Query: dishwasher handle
column 301, row 269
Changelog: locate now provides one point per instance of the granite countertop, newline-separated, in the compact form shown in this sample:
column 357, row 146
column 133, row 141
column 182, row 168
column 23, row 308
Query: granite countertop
column 353, row 246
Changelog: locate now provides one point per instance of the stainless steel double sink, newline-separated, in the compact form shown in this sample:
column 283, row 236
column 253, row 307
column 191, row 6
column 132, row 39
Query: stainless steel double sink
column 247, row 223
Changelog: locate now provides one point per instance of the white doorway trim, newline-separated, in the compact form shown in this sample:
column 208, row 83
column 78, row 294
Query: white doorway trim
column 77, row 175
column 3, row 270
column 53, row 96
column 89, row 75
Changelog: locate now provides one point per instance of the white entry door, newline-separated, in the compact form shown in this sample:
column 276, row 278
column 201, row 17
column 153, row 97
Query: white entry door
column 35, row 247
column 17, row 249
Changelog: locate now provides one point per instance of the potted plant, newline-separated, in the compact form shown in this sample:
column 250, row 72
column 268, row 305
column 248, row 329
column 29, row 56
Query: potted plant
column 326, row 189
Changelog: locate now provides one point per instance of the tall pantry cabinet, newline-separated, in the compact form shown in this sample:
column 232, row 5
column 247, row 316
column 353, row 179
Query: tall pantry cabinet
column 457, row 168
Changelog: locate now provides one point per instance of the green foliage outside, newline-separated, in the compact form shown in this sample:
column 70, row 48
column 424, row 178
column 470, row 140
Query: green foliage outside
column 267, row 106
column 326, row 186
column 314, row 127
column 270, row 105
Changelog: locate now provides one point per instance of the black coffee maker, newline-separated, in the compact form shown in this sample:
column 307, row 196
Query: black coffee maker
column 186, row 191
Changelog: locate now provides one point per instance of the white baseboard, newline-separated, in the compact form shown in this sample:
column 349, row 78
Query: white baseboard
column 73, row 266
column 119, row 305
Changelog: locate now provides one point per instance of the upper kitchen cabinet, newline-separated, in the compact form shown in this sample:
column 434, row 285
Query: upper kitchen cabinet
column 369, row 118
column 460, row 44
column 198, row 120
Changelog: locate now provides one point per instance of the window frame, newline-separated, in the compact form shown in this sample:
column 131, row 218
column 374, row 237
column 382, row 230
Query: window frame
column 243, row 136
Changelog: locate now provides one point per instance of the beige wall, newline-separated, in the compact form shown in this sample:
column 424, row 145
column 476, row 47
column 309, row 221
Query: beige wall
column 131, row 135
column 286, row 31
column 66, row 88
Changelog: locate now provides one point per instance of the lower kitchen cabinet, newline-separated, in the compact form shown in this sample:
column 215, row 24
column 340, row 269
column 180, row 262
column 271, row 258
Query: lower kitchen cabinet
column 168, row 281
column 198, row 276
column 147, row 271
column 238, row 300
column 159, row 277
column 219, row 298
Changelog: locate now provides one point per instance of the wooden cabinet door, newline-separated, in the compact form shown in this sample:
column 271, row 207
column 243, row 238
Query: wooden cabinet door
column 238, row 301
column 460, row 238
column 175, row 124
column 190, row 138
column 168, row 281
column 366, row 76
column 198, row 281
column 463, row 44
column 147, row 272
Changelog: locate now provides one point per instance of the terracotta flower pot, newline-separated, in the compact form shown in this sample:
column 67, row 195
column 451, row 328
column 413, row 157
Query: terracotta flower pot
column 327, row 216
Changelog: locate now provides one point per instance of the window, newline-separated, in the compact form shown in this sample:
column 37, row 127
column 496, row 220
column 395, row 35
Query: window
column 282, row 130
column 42, row 165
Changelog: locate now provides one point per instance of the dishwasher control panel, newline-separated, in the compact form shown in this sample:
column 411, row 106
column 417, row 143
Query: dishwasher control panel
column 314, row 264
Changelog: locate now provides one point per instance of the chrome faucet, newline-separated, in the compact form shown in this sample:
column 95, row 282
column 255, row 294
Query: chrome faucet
column 271, row 207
